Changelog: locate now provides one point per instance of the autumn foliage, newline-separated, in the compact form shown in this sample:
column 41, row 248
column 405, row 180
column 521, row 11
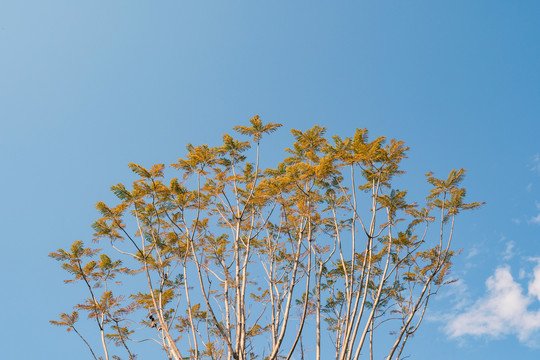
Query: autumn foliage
column 229, row 260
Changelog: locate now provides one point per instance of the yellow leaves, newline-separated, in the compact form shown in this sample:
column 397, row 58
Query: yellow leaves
column 454, row 178
column 102, row 229
column 263, row 297
column 77, row 251
column 395, row 151
column 157, row 170
column 359, row 151
column 216, row 246
column 308, row 145
column 405, row 238
column 198, row 158
column 102, row 306
column 139, row 170
column 109, row 267
column 255, row 330
column 442, row 186
column 360, row 137
column 175, row 186
column 394, row 201
column 473, row 205
column 120, row 191
column 89, row 267
column 103, row 209
column 66, row 320
column 452, row 195
column 257, row 129
column 96, row 272
column 233, row 148
column 145, row 300
column 456, row 204
column 325, row 169
column 120, row 336
column 196, row 312
column 409, row 276
column 213, row 351
column 419, row 216
column 113, row 216
column 60, row 255
column 302, row 220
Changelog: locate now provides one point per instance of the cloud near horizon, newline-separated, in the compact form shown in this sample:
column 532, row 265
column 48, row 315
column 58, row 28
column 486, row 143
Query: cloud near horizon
column 503, row 310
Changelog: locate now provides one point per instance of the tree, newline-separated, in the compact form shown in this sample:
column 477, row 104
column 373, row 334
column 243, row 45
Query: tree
column 231, row 261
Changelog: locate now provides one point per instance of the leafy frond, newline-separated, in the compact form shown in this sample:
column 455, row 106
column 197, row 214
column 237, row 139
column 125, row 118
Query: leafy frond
column 257, row 128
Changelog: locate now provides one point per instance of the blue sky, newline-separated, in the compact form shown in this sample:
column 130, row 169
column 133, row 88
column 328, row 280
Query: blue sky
column 87, row 87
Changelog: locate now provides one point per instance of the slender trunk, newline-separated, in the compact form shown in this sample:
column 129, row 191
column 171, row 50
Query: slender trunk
column 292, row 282
column 162, row 322
column 379, row 291
column 318, row 350
column 190, row 314
column 402, row 346
column 405, row 327
column 306, row 300
column 103, row 343
column 131, row 357
column 238, row 333
column 371, row 328
column 348, row 343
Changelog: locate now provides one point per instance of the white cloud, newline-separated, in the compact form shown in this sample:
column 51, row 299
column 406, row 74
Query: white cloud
column 534, row 285
column 535, row 219
column 509, row 251
column 473, row 252
column 503, row 310
column 459, row 292
column 535, row 163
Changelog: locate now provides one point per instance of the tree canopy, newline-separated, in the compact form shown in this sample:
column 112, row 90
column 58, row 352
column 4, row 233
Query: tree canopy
column 230, row 260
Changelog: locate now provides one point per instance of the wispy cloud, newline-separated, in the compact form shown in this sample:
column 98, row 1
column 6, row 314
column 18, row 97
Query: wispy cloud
column 472, row 253
column 535, row 163
column 509, row 251
column 535, row 219
column 534, row 285
column 459, row 295
column 503, row 310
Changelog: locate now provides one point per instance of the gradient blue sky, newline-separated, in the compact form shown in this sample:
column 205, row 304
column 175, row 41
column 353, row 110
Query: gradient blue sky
column 89, row 86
